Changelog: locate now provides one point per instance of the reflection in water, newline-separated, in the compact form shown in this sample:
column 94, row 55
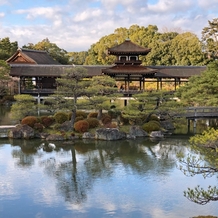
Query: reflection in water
column 129, row 178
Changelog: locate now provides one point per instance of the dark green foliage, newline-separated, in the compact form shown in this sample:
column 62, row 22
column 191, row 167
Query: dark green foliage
column 124, row 120
column 81, row 126
column 113, row 113
column 7, row 48
column 93, row 122
column 201, row 90
column 47, row 121
column 54, row 51
column 154, row 117
column 61, row 117
column 151, row 126
column 29, row 120
column 93, row 115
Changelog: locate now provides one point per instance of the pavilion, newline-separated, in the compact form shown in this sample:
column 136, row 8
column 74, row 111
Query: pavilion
column 38, row 67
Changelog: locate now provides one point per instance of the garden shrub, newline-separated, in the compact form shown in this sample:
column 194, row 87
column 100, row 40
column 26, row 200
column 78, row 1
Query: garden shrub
column 113, row 114
column 151, row 126
column 110, row 125
column 124, row 120
column 106, row 119
column 79, row 118
column 154, row 117
column 47, row 121
column 29, row 120
column 38, row 126
column 93, row 122
column 81, row 126
column 93, row 115
column 81, row 114
column 61, row 117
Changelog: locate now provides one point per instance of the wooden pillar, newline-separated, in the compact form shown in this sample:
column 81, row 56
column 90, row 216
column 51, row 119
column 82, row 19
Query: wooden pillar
column 144, row 84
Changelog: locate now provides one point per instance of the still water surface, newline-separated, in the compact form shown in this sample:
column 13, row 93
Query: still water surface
column 136, row 178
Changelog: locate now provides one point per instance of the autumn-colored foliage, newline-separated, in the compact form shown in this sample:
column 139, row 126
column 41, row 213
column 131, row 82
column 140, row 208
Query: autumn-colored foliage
column 29, row 120
column 81, row 126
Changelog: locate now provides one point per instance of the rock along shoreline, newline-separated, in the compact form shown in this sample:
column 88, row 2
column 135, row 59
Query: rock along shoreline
column 108, row 134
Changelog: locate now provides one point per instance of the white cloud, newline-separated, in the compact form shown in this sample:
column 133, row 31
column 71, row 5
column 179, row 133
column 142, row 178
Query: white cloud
column 76, row 24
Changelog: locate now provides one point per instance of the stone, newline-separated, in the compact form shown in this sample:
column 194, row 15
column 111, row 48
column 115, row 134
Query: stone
column 156, row 134
column 136, row 131
column 21, row 131
column 66, row 126
column 55, row 137
column 109, row 134
column 88, row 135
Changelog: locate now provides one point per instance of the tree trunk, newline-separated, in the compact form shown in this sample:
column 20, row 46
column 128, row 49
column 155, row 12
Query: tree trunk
column 99, row 114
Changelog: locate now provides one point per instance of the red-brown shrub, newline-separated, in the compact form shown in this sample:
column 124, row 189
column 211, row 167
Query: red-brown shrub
column 110, row 125
column 29, row 120
column 38, row 126
column 47, row 121
column 81, row 126
column 106, row 119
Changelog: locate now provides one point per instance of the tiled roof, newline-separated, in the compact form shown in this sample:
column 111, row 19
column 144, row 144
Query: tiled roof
column 128, row 47
column 125, row 69
column 94, row 70
column 50, row 70
column 29, row 56
column 178, row 71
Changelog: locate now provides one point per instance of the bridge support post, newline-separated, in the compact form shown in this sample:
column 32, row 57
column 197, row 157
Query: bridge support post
column 188, row 125
column 194, row 126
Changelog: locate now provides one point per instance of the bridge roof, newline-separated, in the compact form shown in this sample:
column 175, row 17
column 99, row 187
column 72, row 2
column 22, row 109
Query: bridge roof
column 18, row 70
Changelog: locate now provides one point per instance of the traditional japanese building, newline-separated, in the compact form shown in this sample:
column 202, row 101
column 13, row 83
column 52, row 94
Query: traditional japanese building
column 128, row 68
column 36, row 71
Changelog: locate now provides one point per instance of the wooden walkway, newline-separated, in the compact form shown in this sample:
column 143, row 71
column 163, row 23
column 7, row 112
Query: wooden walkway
column 201, row 113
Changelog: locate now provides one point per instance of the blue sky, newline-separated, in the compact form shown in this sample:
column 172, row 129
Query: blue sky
column 75, row 25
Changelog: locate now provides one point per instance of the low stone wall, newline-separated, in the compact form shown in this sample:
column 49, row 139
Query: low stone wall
column 4, row 130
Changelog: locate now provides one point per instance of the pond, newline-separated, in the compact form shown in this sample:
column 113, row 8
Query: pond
column 129, row 178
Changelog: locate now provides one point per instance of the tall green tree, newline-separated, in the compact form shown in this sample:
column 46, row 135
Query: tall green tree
column 201, row 90
column 77, row 58
column 7, row 48
column 54, row 51
column 24, row 106
column 143, row 105
column 186, row 49
column 210, row 39
column 70, row 86
column 99, row 94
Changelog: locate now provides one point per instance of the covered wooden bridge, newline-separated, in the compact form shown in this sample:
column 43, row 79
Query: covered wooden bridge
column 36, row 71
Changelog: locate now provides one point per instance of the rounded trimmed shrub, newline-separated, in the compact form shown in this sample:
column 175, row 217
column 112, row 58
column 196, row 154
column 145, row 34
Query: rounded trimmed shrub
column 81, row 126
column 81, row 114
column 29, row 120
column 79, row 118
column 151, row 126
column 61, row 117
column 93, row 115
column 106, row 119
column 93, row 122
column 154, row 117
column 47, row 121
